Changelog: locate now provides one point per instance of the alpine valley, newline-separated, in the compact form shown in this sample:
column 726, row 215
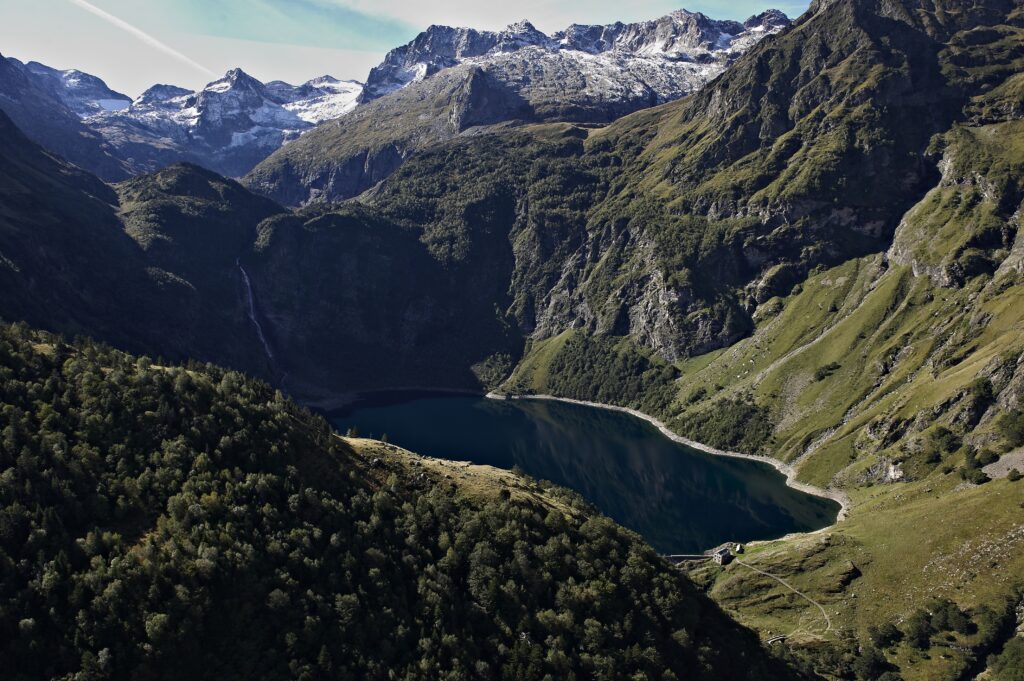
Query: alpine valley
column 792, row 240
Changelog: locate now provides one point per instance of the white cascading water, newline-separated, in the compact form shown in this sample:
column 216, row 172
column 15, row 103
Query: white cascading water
column 252, row 311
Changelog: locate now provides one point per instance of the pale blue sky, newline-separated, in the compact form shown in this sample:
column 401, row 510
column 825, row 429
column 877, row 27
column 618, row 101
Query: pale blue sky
column 133, row 44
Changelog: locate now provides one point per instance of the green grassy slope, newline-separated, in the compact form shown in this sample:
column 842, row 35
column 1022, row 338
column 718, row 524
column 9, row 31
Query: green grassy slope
column 867, row 357
column 905, row 547
column 893, row 386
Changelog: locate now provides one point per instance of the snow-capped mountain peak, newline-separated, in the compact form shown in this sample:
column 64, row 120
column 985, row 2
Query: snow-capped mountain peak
column 229, row 125
column 521, row 26
column 657, row 49
column 320, row 99
column 84, row 94
column 235, row 79
column 590, row 74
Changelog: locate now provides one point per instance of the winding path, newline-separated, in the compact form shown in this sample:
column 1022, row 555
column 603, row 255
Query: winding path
column 780, row 580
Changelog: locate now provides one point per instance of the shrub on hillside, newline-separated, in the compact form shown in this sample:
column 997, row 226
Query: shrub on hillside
column 885, row 636
column 871, row 664
column 939, row 616
column 975, row 476
column 824, row 372
column 986, row 457
column 981, row 391
column 945, row 440
column 947, row 616
column 1009, row 664
column 918, row 630
column 971, row 470
column 1011, row 427
column 697, row 395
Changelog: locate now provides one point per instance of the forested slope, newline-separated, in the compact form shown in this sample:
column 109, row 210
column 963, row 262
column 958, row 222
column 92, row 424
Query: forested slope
column 189, row 522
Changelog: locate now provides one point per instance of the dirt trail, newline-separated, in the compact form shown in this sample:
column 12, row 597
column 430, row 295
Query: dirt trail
column 819, row 606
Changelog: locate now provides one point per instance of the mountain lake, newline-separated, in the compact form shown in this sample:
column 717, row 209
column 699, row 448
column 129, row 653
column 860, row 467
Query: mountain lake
column 679, row 499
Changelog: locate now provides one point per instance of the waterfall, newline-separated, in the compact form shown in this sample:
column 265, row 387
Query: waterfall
column 251, row 299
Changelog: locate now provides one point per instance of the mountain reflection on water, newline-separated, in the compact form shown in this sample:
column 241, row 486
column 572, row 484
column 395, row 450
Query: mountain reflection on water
column 679, row 499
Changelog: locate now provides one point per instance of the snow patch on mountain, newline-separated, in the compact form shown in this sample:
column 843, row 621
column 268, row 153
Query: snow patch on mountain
column 321, row 99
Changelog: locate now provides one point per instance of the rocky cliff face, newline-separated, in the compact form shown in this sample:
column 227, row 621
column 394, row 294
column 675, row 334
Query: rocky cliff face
column 674, row 226
column 738, row 192
column 346, row 157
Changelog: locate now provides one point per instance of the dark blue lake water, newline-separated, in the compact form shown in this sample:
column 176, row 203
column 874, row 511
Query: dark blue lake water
column 679, row 499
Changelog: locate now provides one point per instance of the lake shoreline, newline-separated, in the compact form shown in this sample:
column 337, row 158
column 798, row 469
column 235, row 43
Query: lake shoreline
column 788, row 471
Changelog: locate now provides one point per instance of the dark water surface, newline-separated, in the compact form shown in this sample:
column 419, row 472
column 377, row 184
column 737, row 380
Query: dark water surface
column 679, row 499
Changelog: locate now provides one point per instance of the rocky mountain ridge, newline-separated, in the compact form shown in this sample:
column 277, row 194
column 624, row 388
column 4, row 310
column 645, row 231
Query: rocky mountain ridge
column 688, row 47
column 451, row 82
column 41, row 107
column 228, row 126
column 585, row 73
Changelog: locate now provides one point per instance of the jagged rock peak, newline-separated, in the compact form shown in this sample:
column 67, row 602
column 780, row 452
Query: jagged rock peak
column 323, row 80
column 233, row 79
column 768, row 19
column 160, row 94
column 521, row 26
column 521, row 34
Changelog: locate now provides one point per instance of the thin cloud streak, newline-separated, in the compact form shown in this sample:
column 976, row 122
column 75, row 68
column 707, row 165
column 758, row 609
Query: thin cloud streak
column 141, row 35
